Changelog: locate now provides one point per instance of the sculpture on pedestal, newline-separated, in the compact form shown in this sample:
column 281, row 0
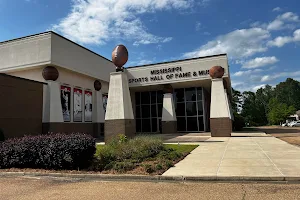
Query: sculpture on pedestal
column 216, row 72
column 120, row 57
column 119, row 118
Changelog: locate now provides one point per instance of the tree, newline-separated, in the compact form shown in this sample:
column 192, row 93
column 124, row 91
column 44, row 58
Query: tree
column 263, row 96
column 253, row 114
column 278, row 112
column 236, row 100
column 288, row 92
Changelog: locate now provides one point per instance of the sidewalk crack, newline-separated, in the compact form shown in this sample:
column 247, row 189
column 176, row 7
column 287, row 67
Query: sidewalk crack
column 222, row 157
column 268, row 157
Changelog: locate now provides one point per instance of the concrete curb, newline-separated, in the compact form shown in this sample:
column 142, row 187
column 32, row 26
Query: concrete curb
column 157, row 178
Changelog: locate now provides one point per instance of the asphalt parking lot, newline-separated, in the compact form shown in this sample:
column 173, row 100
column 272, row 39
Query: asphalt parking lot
column 31, row 188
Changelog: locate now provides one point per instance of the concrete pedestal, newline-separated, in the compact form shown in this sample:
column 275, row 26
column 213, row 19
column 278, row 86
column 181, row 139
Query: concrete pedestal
column 220, row 114
column 119, row 117
column 169, row 120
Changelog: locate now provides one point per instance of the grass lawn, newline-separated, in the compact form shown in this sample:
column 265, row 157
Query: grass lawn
column 181, row 148
column 155, row 164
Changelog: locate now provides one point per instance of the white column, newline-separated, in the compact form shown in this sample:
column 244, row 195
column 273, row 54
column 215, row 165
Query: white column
column 52, row 109
column 168, row 112
column 220, row 117
column 229, row 106
column 98, row 111
column 119, row 117
column 119, row 104
column 219, row 103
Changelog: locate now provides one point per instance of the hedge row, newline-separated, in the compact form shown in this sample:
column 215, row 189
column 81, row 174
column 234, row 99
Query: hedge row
column 53, row 151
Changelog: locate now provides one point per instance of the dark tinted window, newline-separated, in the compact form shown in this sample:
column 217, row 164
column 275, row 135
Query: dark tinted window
column 179, row 95
column 160, row 96
column 199, row 94
column 191, row 109
column 200, row 108
column 159, row 109
column 190, row 94
column 181, row 124
column 137, row 98
column 145, row 111
column 192, row 124
column 154, row 125
column 146, row 125
column 180, row 109
column 153, row 97
column 201, row 124
column 153, row 111
column 138, row 125
column 145, row 97
column 137, row 112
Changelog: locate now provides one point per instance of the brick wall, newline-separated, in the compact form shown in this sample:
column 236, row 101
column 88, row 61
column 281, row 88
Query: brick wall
column 220, row 127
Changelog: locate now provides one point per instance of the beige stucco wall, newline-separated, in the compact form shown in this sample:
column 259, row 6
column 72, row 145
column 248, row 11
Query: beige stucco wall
column 187, row 66
column 70, row 56
column 26, row 52
column 65, row 77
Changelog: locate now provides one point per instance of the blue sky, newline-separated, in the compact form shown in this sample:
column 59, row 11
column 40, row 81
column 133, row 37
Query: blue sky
column 261, row 37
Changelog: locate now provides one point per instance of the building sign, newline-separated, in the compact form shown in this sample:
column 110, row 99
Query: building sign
column 88, row 106
column 65, row 96
column 77, row 105
column 168, row 74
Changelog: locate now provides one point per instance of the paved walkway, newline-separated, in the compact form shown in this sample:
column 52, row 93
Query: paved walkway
column 244, row 154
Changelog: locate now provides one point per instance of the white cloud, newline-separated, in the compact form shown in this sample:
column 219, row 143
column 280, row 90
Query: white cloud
column 288, row 20
column 282, row 40
column 266, row 78
column 198, row 26
column 289, row 16
column 284, row 22
column 98, row 21
column 275, row 25
column 246, row 73
column 275, row 76
column 277, row 9
column 255, row 88
column 206, row 33
column 260, row 62
column 238, row 44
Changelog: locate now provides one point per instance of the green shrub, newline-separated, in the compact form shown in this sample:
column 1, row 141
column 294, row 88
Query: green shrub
column 53, row 151
column 169, row 154
column 2, row 138
column 158, row 167
column 123, row 166
column 148, row 168
column 168, row 164
column 135, row 150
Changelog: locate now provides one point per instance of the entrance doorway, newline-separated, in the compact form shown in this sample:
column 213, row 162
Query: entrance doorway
column 188, row 106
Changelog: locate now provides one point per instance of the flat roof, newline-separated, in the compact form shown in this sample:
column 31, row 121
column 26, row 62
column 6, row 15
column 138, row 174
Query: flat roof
column 47, row 32
column 174, row 61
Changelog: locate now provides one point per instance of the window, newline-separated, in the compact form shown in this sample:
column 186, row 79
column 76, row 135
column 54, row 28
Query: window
column 188, row 107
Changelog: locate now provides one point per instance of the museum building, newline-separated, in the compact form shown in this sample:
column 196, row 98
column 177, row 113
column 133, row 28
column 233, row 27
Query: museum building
column 168, row 97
